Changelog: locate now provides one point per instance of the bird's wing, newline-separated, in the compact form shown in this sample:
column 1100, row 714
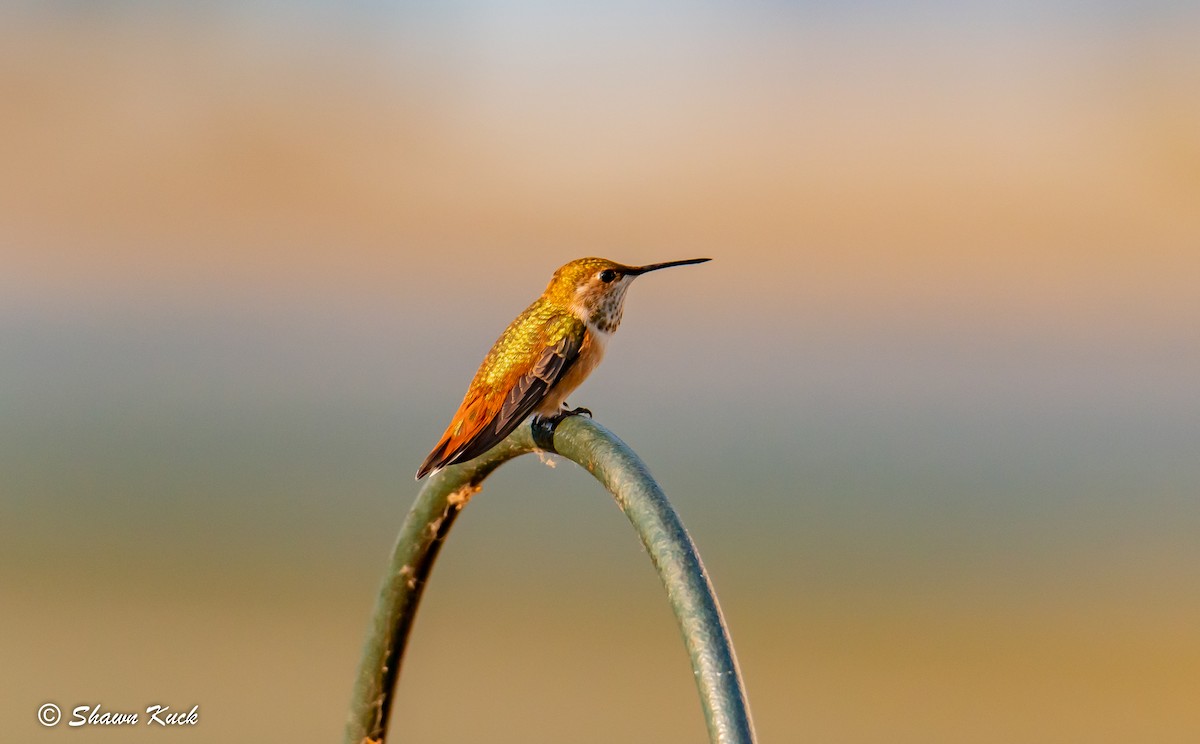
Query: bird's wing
column 489, row 414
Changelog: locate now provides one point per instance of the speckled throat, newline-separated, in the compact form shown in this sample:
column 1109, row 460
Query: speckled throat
column 605, row 311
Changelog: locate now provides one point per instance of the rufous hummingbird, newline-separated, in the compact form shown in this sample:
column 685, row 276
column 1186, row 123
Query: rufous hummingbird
column 540, row 358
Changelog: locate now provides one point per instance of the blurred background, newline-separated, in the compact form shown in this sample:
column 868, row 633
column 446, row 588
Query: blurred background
column 931, row 413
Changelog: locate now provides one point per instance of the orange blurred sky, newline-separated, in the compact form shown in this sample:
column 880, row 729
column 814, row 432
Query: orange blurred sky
column 1030, row 176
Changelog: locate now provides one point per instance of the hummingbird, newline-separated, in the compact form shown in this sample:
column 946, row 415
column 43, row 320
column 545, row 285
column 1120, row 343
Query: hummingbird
column 541, row 358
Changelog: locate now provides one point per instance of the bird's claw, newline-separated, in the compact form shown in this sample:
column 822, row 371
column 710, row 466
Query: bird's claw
column 543, row 427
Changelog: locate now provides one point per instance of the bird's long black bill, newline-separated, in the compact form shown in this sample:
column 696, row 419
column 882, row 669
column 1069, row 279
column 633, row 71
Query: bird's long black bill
column 655, row 267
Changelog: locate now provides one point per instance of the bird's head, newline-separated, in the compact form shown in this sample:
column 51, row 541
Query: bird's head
column 593, row 289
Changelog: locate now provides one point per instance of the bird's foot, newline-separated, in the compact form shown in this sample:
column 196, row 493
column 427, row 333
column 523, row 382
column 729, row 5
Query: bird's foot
column 544, row 426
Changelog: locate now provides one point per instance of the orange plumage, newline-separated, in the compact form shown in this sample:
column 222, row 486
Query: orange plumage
column 543, row 355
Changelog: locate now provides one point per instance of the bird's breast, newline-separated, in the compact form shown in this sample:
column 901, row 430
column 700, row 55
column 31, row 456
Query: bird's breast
column 591, row 351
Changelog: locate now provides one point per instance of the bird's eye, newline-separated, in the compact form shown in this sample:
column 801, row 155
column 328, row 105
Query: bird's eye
column 607, row 275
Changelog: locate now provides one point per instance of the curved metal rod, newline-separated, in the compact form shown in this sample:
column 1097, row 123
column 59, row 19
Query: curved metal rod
column 609, row 460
